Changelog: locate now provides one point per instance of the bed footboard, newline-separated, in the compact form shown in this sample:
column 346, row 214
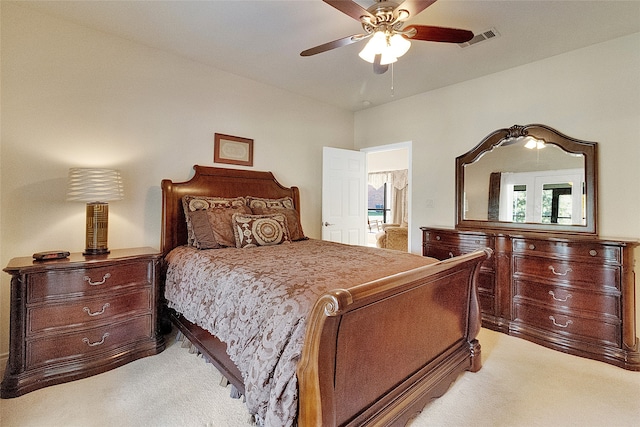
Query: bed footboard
column 377, row 353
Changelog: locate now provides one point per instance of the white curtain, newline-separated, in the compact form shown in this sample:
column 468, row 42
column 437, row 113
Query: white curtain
column 398, row 180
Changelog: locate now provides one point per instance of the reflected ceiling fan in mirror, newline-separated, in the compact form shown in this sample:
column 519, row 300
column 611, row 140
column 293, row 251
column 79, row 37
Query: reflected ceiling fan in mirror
column 382, row 24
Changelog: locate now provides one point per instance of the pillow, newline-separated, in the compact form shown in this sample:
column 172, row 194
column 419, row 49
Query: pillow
column 194, row 203
column 261, row 206
column 221, row 223
column 257, row 202
column 260, row 230
column 202, row 230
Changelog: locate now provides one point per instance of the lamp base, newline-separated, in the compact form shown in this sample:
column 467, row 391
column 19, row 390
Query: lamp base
column 94, row 252
column 97, row 229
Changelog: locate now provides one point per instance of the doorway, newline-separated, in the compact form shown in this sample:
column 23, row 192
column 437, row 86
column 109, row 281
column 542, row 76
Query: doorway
column 381, row 160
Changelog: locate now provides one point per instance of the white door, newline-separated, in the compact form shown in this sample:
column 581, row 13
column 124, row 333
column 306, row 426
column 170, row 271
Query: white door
column 344, row 177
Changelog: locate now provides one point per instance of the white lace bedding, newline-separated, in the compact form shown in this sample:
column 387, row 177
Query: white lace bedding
column 256, row 300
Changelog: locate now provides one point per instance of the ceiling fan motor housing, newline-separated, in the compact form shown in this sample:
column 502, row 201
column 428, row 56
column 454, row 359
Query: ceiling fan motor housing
column 385, row 17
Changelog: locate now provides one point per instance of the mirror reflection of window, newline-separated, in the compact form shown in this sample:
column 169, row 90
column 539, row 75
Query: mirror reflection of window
column 543, row 197
column 556, row 203
column 519, row 203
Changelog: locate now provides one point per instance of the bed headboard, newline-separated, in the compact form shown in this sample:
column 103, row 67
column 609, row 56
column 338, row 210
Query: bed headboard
column 211, row 181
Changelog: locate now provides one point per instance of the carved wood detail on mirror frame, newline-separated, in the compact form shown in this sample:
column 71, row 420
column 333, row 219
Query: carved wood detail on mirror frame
column 528, row 177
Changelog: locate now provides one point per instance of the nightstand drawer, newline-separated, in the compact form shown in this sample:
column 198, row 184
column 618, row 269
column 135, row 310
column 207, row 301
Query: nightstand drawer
column 569, row 298
column 86, row 281
column 86, row 311
column 571, row 326
column 599, row 276
column 85, row 343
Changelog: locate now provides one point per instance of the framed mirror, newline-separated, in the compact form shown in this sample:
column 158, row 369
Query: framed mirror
column 528, row 178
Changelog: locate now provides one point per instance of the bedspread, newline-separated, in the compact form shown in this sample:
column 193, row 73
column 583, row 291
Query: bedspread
column 256, row 300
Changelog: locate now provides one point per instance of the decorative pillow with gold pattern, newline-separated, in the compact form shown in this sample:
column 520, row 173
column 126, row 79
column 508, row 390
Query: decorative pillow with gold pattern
column 260, row 206
column 260, row 230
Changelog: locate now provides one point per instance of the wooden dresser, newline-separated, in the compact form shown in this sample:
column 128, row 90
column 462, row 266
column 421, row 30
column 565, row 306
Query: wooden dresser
column 575, row 294
column 80, row 316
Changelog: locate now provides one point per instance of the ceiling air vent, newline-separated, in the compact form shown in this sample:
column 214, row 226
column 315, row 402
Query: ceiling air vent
column 486, row 35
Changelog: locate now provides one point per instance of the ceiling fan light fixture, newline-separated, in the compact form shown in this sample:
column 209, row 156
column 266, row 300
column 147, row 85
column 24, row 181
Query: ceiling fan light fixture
column 390, row 48
column 398, row 45
column 374, row 47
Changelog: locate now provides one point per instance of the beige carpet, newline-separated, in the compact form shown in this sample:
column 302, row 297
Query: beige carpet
column 520, row 384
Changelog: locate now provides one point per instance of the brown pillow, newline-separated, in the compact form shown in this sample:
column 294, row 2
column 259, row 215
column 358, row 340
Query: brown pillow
column 202, row 230
column 260, row 206
column 221, row 222
column 260, row 230
column 194, row 203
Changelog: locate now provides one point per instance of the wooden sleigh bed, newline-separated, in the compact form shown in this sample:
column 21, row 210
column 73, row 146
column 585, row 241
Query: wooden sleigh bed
column 416, row 329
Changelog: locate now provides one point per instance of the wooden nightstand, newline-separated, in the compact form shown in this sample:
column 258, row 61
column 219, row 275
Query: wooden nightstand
column 80, row 316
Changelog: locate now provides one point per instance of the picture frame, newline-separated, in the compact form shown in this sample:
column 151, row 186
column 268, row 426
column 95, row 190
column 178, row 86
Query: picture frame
column 232, row 150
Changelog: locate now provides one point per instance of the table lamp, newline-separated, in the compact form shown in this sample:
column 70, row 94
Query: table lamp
column 96, row 187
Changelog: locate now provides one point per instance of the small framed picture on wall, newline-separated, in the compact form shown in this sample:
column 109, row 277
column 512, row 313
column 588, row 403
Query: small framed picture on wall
column 233, row 150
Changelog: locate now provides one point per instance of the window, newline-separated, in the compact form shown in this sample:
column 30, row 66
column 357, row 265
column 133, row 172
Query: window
column 378, row 203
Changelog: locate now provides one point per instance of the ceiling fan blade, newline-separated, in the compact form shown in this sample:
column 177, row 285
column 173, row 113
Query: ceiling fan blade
column 414, row 7
column 438, row 34
column 377, row 67
column 332, row 45
column 349, row 7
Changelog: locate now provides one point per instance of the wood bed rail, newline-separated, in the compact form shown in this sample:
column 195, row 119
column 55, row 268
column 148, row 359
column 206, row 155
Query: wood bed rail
column 375, row 346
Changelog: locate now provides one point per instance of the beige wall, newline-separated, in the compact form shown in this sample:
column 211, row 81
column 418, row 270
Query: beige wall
column 76, row 97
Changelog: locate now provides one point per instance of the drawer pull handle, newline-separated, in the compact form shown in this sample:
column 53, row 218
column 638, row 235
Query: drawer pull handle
column 97, row 313
column 593, row 252
column 93, row 344
column 438, row 237
column 451, row 255
column 553, row 270
column 553, row 295
column 532, row 246
column 104, row 279
column 553, row 319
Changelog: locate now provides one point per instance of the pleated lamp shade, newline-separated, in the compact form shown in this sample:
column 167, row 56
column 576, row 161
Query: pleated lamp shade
column 96, row 187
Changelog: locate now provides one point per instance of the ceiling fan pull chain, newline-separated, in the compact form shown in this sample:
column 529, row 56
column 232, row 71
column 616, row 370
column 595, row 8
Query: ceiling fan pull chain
column 392, row 88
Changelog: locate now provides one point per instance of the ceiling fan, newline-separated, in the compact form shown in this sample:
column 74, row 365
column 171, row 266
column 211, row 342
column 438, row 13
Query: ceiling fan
column 382, row 24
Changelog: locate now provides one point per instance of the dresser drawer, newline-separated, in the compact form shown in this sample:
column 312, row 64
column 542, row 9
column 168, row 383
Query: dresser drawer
column 570, row 250
column 475, row 241
column 599, row 276
column 445, row 252
column 570, row 326
column 86, row 281
column 486, row 282
column 88, row 342
column 84, row 311
column 568, row 298
column 487, row 302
